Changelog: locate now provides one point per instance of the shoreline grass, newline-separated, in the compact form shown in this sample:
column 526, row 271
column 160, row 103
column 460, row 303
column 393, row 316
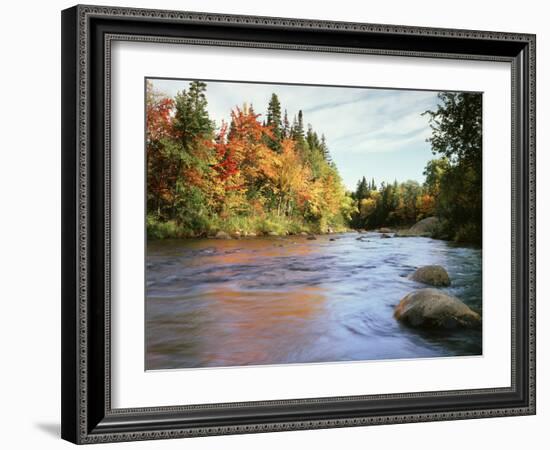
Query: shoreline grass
column 269, row 225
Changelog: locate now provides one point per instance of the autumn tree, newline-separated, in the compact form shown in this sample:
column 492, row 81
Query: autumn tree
column 160, row 170
column 288, row 178
column 252, row 170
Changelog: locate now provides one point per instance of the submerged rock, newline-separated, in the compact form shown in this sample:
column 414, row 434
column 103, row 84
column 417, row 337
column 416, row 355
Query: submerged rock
column 431, row 308
column 434, row 275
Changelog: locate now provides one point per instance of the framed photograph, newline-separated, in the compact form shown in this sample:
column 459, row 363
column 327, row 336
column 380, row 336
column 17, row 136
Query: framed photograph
column 278, row 224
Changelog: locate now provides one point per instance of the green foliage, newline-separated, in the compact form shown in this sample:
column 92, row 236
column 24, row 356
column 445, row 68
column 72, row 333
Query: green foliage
column 452, row 187
column 163, row 230
column 457, row 176
column 275, row 123
column 191, row 119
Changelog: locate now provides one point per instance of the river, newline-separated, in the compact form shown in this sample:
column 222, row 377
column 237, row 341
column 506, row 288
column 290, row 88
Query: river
column 213, row 303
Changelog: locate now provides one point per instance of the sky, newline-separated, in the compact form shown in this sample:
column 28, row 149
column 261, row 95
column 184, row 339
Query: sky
column 376, row 133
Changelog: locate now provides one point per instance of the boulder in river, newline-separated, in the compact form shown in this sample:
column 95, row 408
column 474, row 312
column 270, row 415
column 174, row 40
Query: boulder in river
column 385, row 236
column 311, row 237
column 384, row 230
column 222, row 235
column 434, row 275
column 432, row 308
column 426, row 225
column 423, row 228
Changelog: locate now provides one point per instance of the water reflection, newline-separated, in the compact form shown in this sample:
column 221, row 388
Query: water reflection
column 290, row 300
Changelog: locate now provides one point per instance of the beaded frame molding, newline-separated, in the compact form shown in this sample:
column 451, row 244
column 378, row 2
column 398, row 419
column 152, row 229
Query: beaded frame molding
column 87, row 35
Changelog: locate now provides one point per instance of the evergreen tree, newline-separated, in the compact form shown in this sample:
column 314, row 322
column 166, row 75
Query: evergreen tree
column 297, row 130
column 286, row 126
column 362, row 190
column 275, row 123
column 294, row 128
column 298, row 136
column 312, row 139
column 324, row 149
column 300, row 130
column 191, row 118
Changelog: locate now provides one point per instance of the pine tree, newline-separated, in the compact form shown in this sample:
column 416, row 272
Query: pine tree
column 362, row 189
column 274, row 121
column 286, row 126
column 312, row 139
column 191, row 118
column 300, row 129
column 294, row 129
column 324, row 149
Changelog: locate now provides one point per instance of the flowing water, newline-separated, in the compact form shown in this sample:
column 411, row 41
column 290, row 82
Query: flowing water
column 293, row 300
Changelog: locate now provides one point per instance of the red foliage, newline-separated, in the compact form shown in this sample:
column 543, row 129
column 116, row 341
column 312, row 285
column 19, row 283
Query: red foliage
column 239, row 149
column 159, row 118
column 227, row 165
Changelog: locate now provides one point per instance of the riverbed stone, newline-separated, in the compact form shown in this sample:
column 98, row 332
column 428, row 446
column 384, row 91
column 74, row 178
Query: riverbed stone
column 432, row 308
column 426, row 225
column 222, row 235
column 433, row 275
column 311, row 237
column 424, row 228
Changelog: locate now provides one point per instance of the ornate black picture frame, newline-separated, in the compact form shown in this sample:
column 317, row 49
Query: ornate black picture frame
column 87, row 34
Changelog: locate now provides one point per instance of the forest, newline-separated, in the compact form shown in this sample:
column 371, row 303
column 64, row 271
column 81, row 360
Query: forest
column 271, row 175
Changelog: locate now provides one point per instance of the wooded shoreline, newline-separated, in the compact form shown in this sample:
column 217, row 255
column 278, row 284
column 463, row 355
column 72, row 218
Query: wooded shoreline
column 273, row 176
